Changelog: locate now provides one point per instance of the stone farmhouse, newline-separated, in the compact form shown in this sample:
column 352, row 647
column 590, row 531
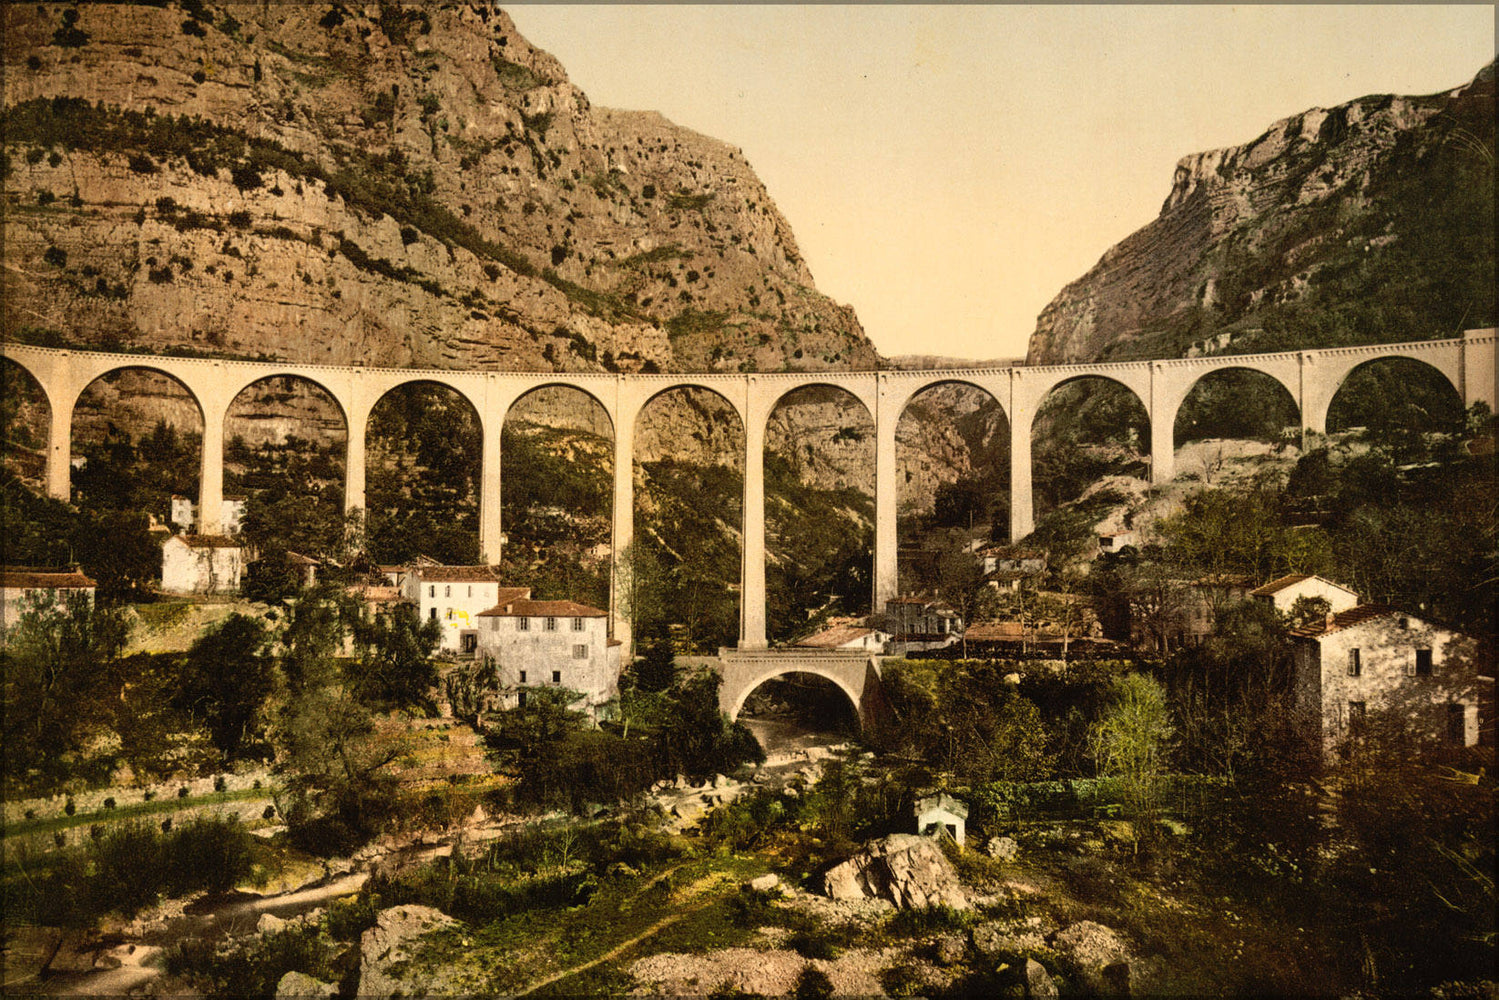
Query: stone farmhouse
column 549, row 644
column 1008, row 567
column 22, row 588
column 454, row 596
column 1286, row 591
column 847, row 636
column 202, row 564
column 1375, row 658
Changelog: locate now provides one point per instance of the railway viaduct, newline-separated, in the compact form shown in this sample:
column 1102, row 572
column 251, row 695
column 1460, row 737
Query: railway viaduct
column 1310, row 377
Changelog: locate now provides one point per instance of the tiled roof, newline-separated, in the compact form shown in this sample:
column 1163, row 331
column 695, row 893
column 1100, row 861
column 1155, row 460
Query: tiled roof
column 210, row 541
column 833, row 638
column 522, row 607
column 1011, row 552
column 1276, row 586
column 1348, row 619
column 458, row 574
column 376, row 593
column 301, row 560
column 14, row 578
column 995, row 632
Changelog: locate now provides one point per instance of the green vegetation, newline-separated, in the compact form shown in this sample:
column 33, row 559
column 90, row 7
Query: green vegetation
column 820, row 542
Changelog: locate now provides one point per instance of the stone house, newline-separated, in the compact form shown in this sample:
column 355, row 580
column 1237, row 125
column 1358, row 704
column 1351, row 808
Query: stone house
column 1210, row 595
column 1009, row 567
column 454, row 596
column 1117, row 541
column 22, row 588
column 550, row 644
column 1284, row 592
column 921, row 616
column 202, row 564
column 1374, row 657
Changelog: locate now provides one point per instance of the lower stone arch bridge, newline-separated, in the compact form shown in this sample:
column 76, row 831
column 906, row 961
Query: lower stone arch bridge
column 1311, row 378
column 855, row 672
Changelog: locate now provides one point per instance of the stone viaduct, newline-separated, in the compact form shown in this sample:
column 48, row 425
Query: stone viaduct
column 1310, row 377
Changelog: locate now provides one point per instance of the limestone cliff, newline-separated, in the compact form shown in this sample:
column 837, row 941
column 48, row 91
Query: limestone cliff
column 378, row 184
column 1373, row 220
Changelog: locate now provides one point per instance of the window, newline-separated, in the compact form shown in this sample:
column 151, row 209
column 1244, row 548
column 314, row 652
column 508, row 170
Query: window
column 1405, row 623
column 1423, row 663
column 1457, row 724
column 523, row 624
column 580, row 651
column 550, row 625
column 471, row 590
column 447, row 591
column 577, row 624
column 523, row 677
column 1355, row 664
column 556, row 677
column 432, row 590
column 450, row 614
column 521, row 700
column 432, row 613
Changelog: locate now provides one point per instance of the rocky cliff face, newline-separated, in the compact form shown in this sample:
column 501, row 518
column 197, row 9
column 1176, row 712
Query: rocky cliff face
column 378, row 184
column 1372, row 220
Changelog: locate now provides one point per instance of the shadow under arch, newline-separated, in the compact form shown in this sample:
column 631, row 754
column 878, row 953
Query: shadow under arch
column 1086, row 428
column 1238, row 403
column 819, row 507
column 557, row 493
column 137, row 440
column 286, row 447
column 1393, row 394
column 933, row 514
column 25, row 423
column 423, row 444
column 833, row 706
column 688, row 520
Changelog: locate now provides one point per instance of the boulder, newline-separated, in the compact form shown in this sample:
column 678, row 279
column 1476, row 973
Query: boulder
column 269, row 923
column 1000, row 939
column 766, row 883
column 1097, row 955
column 907, row 870
column 949, row 949
column 1003, row 848
column 296, row 985
column 392, row 943
column 1037, row 981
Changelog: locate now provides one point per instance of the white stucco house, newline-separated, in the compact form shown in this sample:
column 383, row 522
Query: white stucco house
column 454, row 596
column 202, row 564
column 942, row 815
column 550, row 644
column 1286, row 591
column 22, row 588
column 1374, row 657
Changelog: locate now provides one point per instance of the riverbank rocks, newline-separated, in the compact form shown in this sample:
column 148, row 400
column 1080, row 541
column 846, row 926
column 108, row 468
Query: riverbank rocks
column 1096, row 955
column 1002, row 848
column 298, row 986
column 386, row 948
column 907, row 870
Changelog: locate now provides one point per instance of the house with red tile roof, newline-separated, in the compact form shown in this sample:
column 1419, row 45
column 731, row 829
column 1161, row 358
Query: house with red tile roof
column 22, row 588
column 847, row 637
column 1377, row 658
column 560, row 644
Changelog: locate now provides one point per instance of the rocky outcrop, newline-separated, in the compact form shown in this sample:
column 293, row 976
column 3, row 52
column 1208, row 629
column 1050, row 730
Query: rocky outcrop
column 382, row 185
column 1318, row 210
column 387, row 948
column 300, row 986
column 1097, row 957
column 907, row 870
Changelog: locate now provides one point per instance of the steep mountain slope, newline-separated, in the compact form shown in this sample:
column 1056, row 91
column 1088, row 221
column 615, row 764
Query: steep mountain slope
column 1373, row 220
column 382, row 184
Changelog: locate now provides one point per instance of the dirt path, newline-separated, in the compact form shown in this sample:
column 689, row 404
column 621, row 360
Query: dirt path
column 614, row 952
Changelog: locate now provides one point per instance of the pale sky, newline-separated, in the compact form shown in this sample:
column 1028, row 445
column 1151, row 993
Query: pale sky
column 947, row 169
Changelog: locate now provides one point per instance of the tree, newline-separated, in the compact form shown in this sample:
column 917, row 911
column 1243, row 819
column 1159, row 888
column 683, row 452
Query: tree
column 396, row 667
column 57, row 663
column 114, row 548
column 226, row 677
column 1132, row 740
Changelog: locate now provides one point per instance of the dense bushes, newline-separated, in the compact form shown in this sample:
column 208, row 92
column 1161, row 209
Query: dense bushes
column 130, row 866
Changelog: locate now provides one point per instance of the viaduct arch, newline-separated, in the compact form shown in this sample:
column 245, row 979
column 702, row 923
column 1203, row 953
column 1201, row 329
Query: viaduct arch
column 1311, row 377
